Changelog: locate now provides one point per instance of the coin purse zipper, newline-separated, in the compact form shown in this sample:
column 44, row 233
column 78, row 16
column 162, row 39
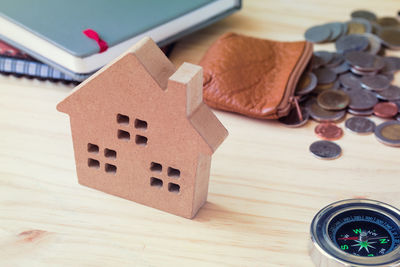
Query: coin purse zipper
column 288, row 99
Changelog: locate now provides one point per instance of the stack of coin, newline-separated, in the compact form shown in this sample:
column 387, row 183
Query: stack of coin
column 357, row 78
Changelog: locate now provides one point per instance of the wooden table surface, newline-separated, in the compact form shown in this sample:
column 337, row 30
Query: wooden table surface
column 265, row 186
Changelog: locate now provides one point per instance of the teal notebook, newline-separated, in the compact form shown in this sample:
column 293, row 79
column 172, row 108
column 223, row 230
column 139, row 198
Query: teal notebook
column 52, row 30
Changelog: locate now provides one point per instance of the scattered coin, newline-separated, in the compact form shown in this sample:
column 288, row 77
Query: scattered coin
column 329, row 86
column 362, row 99
column 359, row 69
column 385, row 109
column 337, row 29
column 360, row 125
column 333, row 100
column 337, row 59
column 364, row 61
column 325, row 75
column 363, row 73
column 318, row 34
column 322, row 115
column 390, row 65
column 391, row 38
column 325, row 150
column 358, row 26
column 341, row 68
column 307, row 83
column 365, row 14
column 367, row 112
column 390, row 94
column 374, row 43
column 292, row 120
column 387, row 21
column 324, row 56
column 328, row 131
column 351, row 42
column 388, row 133
column 376, row 83
column 395, row 61
column 350, row 81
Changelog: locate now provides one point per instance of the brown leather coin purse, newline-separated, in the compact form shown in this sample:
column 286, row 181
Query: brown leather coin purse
column 254, row 77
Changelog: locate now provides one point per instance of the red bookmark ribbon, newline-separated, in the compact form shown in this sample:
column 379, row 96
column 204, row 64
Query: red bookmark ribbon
column 95, row 36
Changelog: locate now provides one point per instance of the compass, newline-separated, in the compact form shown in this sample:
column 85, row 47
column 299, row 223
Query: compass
column 356, row 232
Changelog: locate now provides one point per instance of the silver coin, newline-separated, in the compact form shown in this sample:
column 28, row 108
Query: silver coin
column 292, row 120
column 336, row 60
column 362, row 99
column 350, row 81
column 322, row 57
column 364, row 61
column 341, row 68
column 388, row 133
column 394, row 62
column 390, row 65
column 337, row 30
column 318, row 34
column 376, row 83
column 360, row 125
column 374, row 43
column 390, row 76
column 353, row 42
column 321, row 115
column 365, row 14
column 325, row 149
column 325, row 75
column 392, row 93
column 367, row 112
column 363, row 73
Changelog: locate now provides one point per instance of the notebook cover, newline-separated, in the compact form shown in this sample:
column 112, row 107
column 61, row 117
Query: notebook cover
column 62, row 22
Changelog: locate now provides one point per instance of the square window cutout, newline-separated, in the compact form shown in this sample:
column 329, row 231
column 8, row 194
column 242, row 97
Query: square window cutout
column 109, row 168
column 155, row 182
column 122, row 119
column 141, row 140
column 109, row 153
column 174, row 188
column 155, row 167
column 93, row 163
column 139, row 124
column 124, row 135
column 174, row 173
column 92, row 148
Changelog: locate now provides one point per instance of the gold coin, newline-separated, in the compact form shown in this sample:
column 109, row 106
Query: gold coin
column 355, row 28
column 388, row 21
column 390, row 37
column 304, row 82
column 391, row 132
column 333, row 100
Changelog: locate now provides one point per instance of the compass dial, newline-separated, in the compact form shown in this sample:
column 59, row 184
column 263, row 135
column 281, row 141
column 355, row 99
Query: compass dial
column 364, row 233
column 356, row 232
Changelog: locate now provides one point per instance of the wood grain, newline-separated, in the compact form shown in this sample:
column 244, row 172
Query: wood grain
column 265, row 186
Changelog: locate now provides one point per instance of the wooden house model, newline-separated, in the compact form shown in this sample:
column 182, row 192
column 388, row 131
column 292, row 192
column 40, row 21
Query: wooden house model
column 141, row 131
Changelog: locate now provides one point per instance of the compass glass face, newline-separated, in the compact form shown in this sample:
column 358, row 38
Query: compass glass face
column 364, row 233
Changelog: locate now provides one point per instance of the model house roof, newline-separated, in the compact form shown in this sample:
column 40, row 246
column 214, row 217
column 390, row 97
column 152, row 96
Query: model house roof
column 187, row 77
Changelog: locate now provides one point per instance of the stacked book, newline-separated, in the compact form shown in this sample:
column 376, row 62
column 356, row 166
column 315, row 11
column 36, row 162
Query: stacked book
column 63, row 43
